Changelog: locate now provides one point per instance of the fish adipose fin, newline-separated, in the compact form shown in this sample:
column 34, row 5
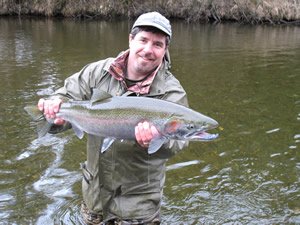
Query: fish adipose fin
column 43, row 126
column 99, row 95
column 156, row 143
column 107, row 142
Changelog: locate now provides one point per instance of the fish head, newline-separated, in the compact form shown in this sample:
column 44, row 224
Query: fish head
column 191, row 128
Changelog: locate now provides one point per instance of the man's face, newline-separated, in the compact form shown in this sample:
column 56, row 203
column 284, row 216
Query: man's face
column 146, row 53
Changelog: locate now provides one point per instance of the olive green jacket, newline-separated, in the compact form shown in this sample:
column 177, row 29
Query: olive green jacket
column 125, row 181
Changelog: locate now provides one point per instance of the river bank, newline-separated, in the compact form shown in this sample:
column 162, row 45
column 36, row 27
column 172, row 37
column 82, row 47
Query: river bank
column 244, row 11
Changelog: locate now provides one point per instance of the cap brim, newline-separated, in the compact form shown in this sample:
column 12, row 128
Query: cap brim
column 153, row 25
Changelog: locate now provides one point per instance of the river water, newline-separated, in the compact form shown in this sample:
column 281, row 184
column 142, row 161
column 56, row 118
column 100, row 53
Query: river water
column 246, row 77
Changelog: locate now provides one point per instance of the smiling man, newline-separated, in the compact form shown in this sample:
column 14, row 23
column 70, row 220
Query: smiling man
column 146, row 53
column 124, row 185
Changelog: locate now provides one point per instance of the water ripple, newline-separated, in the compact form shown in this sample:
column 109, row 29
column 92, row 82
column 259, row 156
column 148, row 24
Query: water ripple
column 183, row 164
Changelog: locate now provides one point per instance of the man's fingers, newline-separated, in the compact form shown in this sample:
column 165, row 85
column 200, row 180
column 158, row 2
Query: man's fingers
column 147, row 132
column 50, row 108
column 53, row 107
column 138, row 135
column 154, row 131
column 144, row 133
column 46, row 109
column 59, row 121
column 56, row 105
column 41, row 104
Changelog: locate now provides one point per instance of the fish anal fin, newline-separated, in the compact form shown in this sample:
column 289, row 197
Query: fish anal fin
column 107, row 142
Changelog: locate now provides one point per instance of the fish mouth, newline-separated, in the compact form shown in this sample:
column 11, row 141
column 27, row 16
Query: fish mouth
column 202, row 136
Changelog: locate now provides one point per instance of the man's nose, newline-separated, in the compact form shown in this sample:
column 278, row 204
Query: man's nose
column 148, row 47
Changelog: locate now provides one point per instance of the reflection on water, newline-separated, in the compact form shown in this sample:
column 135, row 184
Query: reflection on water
column 246, row 77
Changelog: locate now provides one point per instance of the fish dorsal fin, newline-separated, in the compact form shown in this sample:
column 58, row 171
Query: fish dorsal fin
column 99, row 95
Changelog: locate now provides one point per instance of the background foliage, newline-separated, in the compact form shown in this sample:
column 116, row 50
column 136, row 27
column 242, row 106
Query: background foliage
column 248, row 11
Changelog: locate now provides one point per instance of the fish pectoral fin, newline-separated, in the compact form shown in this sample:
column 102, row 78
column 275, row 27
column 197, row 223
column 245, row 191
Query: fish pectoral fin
column 156, row 143
column 79, row 133
column 99, row 95
column 107, row 142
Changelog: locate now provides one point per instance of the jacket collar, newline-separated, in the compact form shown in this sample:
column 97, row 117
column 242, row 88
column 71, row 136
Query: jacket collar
column 153, row 85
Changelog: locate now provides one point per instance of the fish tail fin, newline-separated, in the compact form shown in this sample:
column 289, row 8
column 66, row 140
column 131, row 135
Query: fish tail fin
column 43, row 126
column 34, row 112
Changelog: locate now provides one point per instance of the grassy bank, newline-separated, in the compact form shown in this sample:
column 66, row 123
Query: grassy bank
column 248, row 11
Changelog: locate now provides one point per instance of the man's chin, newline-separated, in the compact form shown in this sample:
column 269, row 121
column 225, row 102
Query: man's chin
column 145, row 68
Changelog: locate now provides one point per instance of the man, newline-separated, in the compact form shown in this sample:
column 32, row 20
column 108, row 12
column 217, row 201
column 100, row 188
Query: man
column 124, row 184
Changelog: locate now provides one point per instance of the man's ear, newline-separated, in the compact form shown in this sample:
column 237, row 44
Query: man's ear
column 130, row 39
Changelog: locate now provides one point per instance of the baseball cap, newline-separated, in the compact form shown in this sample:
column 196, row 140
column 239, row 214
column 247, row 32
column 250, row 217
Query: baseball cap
column 154, row 19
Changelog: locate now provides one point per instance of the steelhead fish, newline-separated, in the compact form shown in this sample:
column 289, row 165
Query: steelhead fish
column 116, row 117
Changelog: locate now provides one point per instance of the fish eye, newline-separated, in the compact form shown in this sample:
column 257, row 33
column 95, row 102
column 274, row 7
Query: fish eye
column 189, row 126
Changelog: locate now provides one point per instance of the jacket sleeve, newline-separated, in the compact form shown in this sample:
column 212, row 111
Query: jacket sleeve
column 79, row 86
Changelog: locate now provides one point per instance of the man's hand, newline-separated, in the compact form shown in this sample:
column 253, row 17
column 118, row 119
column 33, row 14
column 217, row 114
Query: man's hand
column 144, row 133
column 50, row 108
